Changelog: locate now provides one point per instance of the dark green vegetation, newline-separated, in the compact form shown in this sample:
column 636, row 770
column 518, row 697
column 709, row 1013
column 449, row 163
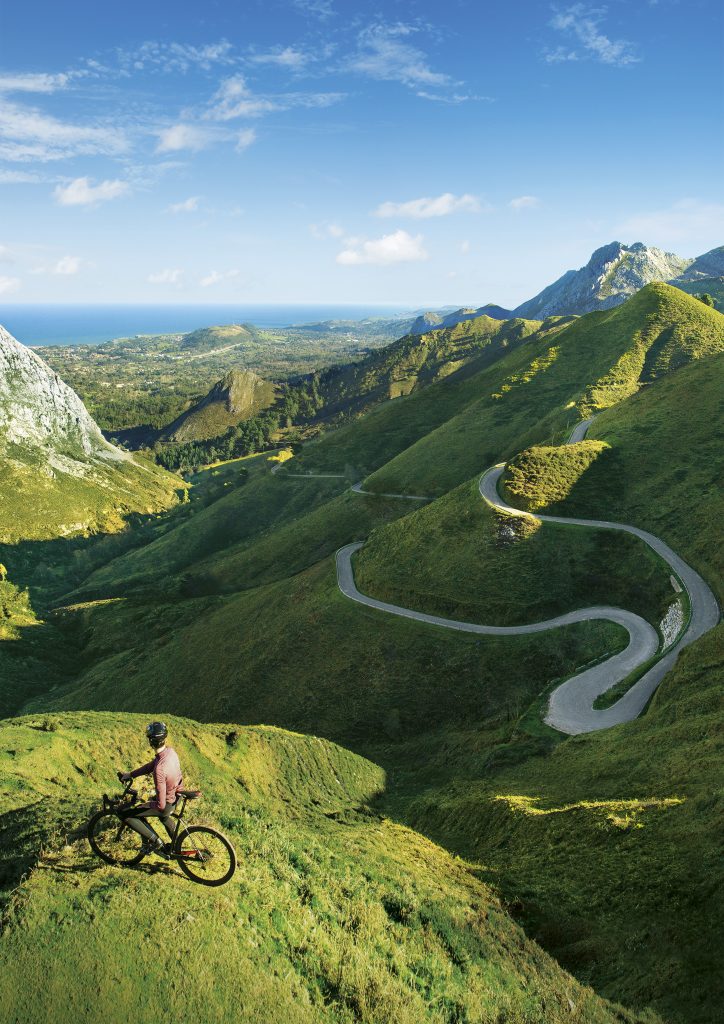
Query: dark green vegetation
column 712, row 286
column 227, row 609
column 149, row 381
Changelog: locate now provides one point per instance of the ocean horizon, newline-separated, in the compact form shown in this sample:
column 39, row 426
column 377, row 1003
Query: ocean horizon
column 56, row 324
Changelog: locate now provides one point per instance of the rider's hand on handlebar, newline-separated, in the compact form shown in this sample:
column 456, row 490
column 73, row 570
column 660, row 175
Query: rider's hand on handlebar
column 124, row 776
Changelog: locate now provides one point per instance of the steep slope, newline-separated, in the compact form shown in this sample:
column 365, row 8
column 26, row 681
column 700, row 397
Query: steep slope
column 58, row 476
column 710, row 264
column 613, row 273
column 432, row 321
column 240, row 395
column 335, row 914
column 549, row 384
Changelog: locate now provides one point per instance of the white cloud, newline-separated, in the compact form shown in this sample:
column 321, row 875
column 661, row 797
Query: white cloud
column 465, row 246
column 18, row 177
column 582, row 23
column 454, row 98
column 235, row 99
column 690, row 221
column 80, row 192
column 8, row 285
column 326, row 230
column 321, row 9
column 175, row 57
column 524, row 203
column 168, row 276
column 245, row 139
column 29, row 134
column 189, row 205
column 67, row 266
column 32, row 82
column 398, row 247
column 216, row 277
column 183, row 136
column 383, row 53
column 440, row 206
column 6, row 255
column 289, row 58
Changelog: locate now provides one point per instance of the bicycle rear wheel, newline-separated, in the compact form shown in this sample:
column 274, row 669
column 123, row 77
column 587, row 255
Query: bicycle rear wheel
column 204, row 854
column 113, row 841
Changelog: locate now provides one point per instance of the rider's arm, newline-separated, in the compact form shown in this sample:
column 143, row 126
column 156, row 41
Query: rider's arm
column 145, row 769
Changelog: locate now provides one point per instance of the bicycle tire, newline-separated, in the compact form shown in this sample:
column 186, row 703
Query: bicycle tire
column 198, row 870
column 124, row 849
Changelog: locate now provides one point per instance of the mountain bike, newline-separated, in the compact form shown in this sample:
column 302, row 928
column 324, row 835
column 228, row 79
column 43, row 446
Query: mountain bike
column 204, row 855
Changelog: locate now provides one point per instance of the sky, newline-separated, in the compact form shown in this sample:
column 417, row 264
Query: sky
column 419, row 153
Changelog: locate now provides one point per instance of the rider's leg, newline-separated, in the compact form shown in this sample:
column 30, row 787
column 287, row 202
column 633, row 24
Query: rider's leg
column 133, row 820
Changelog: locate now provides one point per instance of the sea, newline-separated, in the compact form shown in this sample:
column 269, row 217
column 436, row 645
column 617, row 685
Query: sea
column 94, row 324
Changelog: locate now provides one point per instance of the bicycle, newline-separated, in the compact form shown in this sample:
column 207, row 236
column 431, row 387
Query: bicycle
column 204, row 855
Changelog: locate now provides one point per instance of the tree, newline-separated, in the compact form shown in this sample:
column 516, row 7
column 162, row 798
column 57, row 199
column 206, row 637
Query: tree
column 707, row 299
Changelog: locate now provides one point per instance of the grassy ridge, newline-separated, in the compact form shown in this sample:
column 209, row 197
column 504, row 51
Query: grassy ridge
column 547, row 385
column 335, row 915
column 459, row 558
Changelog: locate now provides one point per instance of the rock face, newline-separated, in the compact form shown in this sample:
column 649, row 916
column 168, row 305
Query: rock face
column 711, row 264
column 614, row 273
column 240, row 395
column 39, row 412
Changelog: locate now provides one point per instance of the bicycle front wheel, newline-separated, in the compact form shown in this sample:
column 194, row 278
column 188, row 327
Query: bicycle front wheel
column 204, row 854
column 112, row 840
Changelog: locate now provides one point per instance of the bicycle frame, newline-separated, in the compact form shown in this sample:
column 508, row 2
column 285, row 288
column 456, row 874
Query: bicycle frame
column 118, row 805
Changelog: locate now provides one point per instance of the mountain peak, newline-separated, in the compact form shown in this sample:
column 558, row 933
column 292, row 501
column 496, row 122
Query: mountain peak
column 614, row 272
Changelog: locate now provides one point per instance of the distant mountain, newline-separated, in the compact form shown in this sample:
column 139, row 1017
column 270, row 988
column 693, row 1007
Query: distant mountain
column 613, row 274
column 430, row 321
column 240, row 395
column 58, row 475
column 711, row 264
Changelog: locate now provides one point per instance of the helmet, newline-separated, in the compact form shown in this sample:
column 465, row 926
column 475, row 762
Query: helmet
column 157, row 733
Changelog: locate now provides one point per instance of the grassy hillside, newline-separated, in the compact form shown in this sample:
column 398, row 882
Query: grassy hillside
column 459, row 558
column 334, row 915
column 658, row 465
column 237, row 397
column 607, row 849
column 532, row 396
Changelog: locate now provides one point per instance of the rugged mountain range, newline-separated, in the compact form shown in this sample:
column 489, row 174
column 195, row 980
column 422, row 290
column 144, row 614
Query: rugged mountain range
column 613, row 274
column 57, row 472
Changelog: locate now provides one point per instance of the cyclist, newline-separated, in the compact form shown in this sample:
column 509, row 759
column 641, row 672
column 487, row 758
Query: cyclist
column 166, row 771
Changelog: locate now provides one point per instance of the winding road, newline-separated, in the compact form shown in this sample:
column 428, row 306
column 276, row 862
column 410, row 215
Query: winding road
column 570, row 708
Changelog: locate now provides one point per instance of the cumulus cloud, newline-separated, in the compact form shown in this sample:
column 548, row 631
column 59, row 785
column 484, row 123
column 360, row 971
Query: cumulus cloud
column 183, row 136
column 189, row 205
column 582, row 23
column 80, row 192
column 398, row 247
column 167, row 276
column 524, row 202
column 384, row 53
column 216, row 277
column 439, row 206
column 67, row 266
column 8, row 285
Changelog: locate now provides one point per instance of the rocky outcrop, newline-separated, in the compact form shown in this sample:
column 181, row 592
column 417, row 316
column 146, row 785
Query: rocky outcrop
column 240, row 395
column 614, row 273
column 432, row 321
column 39, row 412
column 711, row 264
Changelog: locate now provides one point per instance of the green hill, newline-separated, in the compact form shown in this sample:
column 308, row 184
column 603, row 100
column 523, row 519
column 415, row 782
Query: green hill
column 335, row 914
column 240, row 395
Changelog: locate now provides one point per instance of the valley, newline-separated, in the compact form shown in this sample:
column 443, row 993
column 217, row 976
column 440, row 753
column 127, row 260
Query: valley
column 215, row 599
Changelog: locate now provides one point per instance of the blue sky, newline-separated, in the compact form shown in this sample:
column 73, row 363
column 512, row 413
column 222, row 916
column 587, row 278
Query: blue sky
column 420, row 153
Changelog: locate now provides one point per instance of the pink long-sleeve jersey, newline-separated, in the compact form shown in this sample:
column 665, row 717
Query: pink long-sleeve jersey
column 167, row 778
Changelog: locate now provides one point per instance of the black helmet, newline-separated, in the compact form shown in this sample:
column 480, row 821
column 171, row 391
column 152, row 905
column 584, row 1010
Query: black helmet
column 157, row 733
